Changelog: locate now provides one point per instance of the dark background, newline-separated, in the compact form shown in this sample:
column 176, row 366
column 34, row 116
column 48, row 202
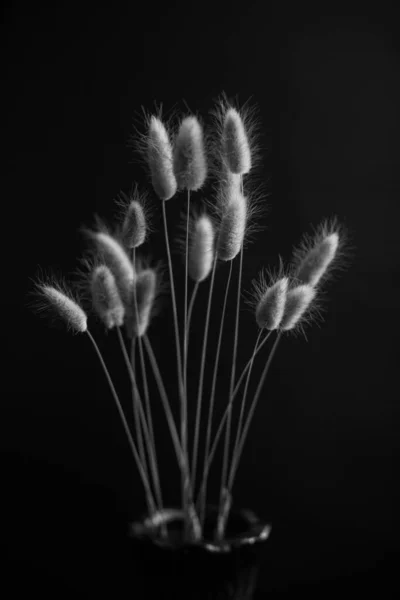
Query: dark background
column 322, row 459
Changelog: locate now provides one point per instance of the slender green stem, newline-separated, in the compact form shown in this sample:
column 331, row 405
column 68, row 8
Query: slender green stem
column 211, row 406
column 239, row 427
column 146, row 484
column 201, row 378
column 251, row 412
column 232, row 384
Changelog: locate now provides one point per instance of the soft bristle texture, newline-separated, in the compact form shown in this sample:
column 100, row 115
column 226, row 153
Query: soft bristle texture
column 317, row 260
column 118, row 261
column 106, row 298
column 201, row 250
column 160, row 159
column 67, row 308
column 134, row 225
column 271, row 306
column 190, row 164
column 233, row 227
column 298, row 301
column 145, row 290
column 235, row 143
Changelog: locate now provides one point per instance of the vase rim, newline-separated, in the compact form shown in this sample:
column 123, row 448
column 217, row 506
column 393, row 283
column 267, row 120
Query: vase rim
column 257, row 531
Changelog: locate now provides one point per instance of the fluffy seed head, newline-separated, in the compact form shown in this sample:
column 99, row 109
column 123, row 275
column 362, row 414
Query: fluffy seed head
column 298, row 300
column 190, row 164
column 134, row 225
column 315, row 263
column 160, row 160
column 106, row 299
column 271, row 306
column 145, row 291
column 117, row 260
column 235, row 143
column 66, row 307
column 201, row 251
column 232, row 228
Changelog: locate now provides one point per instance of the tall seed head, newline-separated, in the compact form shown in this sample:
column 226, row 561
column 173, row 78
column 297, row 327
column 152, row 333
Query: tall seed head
column 134, row 225
column 298, row 301
column 232, row 227
column 235, row 143
column 271, row 306
column 190, row 164
column 145, row 290
column 201, row 251
column 160, row 160
column 68, row 309
column 317, row 260
column 106, row 299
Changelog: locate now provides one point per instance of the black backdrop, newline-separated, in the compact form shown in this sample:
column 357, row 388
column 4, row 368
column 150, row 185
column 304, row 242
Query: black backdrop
column 322, row 458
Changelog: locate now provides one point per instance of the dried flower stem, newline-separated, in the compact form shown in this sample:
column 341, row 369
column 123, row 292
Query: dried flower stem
column 225, row 415
column 189, row 319
column 165, row 402
column 135, row 398
column 235, row 463
column 240, row 423
column 232, row 384
column 146, row 484
column 203, row 488
column 184, row 421
column 148, row 440
column 201, row 377
column 179, row 365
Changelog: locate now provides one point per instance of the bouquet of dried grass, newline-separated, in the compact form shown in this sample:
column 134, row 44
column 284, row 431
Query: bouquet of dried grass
column 123, row 288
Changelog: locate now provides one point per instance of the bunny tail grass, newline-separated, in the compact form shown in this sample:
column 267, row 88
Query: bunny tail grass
column 67, row 308
column 190, row 163
column 235, row 143
column 201, row 252
column 145, row 292
column 134, row 227
column 319, row 253
column 106, row 299
column 271, row 306
column 117, row 259
column 160, row 160
column 232, row 228
column 298, row 301
column 145, row 481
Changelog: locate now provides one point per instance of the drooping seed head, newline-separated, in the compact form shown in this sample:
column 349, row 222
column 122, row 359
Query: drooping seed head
column 106, row 299
column 190, row 164
column 232, row 227
column 201, row 251
column 134, row 225
column 271, row 306
column 298, row 301
column 235, row 143
column 66, row 307
column 160, row 160
column 317, row 260
column 117, row 260
column 144, row 295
